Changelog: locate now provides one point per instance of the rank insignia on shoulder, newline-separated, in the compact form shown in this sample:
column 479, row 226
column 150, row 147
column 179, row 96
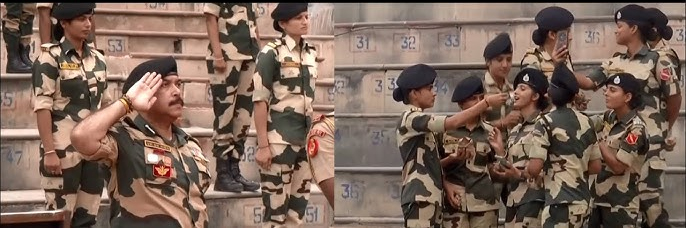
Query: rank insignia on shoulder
column 161, row 171
column 631, row 139
column 69, row 66
column 312, row 147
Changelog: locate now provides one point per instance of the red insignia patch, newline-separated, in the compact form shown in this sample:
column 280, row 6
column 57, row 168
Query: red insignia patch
column 158, row 151
column 312, row 147
column 631, row 139
column 161, row 171
column 666, row 74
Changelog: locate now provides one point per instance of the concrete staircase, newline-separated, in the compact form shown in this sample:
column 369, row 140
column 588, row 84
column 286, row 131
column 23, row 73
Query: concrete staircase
column 375, row 42
column 130, row 34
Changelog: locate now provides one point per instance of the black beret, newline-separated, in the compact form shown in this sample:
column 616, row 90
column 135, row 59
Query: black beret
column 554, row 18
column 534, row 78
column 632, row 13
column 466, row 88
column 164, row 66
column 563, row 85
column 286, row 11
column 659, row 21
column 501, row 44
column 626, row 81
column 413, row 77
column 66, row 11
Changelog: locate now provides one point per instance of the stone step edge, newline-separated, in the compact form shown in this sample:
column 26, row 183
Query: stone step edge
column 399, row 220
column 397, row 170
column 321, row 81
column 37, row 195
column 452, row 23
column 450, row 66
column 192, row 35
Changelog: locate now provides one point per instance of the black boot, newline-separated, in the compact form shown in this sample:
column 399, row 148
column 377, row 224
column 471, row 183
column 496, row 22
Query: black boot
column 25, row 51
column 225, row 181
column 14, row 62
column 236, row 173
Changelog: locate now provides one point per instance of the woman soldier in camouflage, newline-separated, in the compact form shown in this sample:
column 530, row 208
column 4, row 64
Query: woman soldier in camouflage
column 623, row 144
column 284, row 90
column 660, row 94
column 69, row 82
column 526, row 195
column 551, row 22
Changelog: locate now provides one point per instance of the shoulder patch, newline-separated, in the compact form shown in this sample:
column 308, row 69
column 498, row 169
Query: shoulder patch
column 631, row 138
column 47, row 46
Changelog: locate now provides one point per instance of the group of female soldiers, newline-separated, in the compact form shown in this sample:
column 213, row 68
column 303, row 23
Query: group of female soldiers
column 559, row 166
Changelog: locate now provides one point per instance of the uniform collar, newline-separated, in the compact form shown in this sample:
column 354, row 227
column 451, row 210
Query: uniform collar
column 68, row 46
column 544, row 54
column 626, row 118
column 644, row 51
column 530, row 119
column 142, row 125
column 414, row 108
column 290, row 42
column 480, row 125
column 490, row 81
column 660, row 45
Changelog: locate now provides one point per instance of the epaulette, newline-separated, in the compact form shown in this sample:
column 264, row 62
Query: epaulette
column 532, row 50
column 617, row 54
column 47, row 46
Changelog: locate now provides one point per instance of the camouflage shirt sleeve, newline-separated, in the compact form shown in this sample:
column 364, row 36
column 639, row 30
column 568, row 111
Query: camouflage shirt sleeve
column 597, row 121
column 425, row 123
column 44, row 79
column 665, row 69
column 540, row 141
column 211, row 8
column 599, row 75
column 108, row 151
column 629, row 150
column 264, row 74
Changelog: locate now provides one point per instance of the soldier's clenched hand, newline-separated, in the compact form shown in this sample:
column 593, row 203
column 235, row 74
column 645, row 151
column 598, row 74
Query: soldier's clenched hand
column 219, row 65
column 52, row 164
column 263, row 157
column 496, row 100
column 143, row 91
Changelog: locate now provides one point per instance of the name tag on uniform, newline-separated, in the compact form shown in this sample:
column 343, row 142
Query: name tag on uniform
column 69, row 66
column 290, row 64
column 156, row 145
column 547, row 69
column 615, row 71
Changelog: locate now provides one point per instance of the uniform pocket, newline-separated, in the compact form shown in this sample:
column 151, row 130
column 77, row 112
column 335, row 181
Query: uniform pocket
column 205, row 178
column 159, row 168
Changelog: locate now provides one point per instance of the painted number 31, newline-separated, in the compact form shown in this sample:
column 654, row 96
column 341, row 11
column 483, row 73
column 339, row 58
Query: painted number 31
column 362, row 42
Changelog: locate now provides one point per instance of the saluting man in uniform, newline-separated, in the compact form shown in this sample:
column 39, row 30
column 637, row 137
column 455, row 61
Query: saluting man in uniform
column 422, row 177
column 232, row 30
column 69, row 82
column 551, row 21
column 320, row 151
column 284, row 91
column 159, row 172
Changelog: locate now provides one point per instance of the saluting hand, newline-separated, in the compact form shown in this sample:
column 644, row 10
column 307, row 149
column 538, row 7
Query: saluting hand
column 143, row 91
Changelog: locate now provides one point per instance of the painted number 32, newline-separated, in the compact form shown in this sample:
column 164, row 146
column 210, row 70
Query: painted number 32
column 408, row 42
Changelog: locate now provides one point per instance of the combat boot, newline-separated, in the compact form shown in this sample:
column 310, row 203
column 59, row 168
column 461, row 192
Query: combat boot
column 25, row 57
column 248, row 185
column 225, row 181
column 14, row 62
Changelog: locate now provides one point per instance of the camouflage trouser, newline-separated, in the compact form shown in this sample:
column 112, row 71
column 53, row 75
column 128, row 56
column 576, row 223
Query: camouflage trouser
column 651, row 187
column 564, row 215
column 613, row 217
column 422, row 214
column 525, row 215
column 18, row 21
column 455, row 219
column 285, row 186
column 233, row 106
column 77, row 190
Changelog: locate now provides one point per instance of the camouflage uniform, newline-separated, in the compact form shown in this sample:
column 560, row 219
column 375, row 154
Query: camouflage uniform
column 232, row 90
column 491, row 87
column 160, row 183
column 565, row 140
column 656, row 72
column 70, row 87
column 421, row 194
column 17, row 28
column 615, row 196
column 526, row 197
column 538, row 58
column 480, row 200
column 321, row 139
column 285, row 80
